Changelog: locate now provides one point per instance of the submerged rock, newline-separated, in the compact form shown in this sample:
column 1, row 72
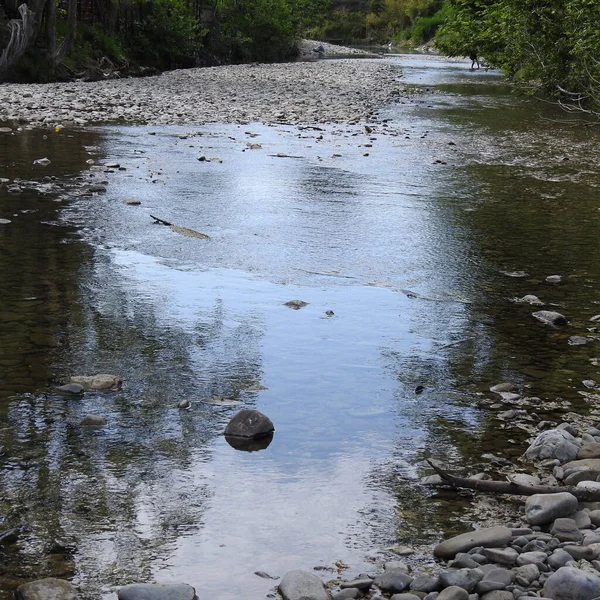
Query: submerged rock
column 302, row 585
column 249, row 424
column 70, row 389
column 102, row 382
column 47, row 589
column 155, row 591
column 550, row 317
column 94, row 421
column 296, row 304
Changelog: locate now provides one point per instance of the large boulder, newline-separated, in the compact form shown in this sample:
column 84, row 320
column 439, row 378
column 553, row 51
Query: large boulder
column 156, row 591
column 546, row 508
column 249, row 424
column 554, row 443
column 489, row 537
column 47, row 589
column 302, row 585
column 102, row 382
column 569, row 583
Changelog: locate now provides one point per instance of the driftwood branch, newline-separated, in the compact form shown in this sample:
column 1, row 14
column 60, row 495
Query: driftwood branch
column 161, row 222
column 517, row 489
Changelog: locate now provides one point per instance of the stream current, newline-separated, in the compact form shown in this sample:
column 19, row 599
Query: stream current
column 418, row 235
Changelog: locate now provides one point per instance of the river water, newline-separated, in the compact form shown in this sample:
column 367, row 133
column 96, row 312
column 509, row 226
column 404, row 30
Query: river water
column 417, row 235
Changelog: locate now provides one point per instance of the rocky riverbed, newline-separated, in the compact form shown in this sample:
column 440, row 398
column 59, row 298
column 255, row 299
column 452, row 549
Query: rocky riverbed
column 320, row 91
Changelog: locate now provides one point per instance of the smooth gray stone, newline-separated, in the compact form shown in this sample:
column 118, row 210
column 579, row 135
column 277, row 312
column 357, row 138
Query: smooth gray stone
column 464, row 578
column 70, row 389
column 249, row 424
column 47, row 589
column 393, row 580
column 553, row 443
column 496, row 579
column 569, row 583
column 394, row 565
column 545, row 508
column 502, row 556
column 582, row 520
column 531, row 558
column 489, row 537
column 529, row 573
column 453, row 593
column 156, row 591
column 535, row 546
column 94, row 421
column 348, row 594
column 497, row 595
column 302, row 585
column 425, row 583
column 559, row 558
column 594, row 516
column 464, row 561
column 566, row 530
column 590, row 537
column 361, row 584
column 405, row 596
column 581, row 552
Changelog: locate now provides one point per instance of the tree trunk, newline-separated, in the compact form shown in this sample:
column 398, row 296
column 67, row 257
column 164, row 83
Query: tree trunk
column 507, row 487
column 59, row 53
column 22, row 33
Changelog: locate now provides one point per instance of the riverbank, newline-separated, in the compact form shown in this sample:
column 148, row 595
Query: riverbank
column 322, row 91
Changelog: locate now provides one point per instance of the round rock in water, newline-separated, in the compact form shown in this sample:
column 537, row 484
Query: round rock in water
column 250, row 444
column 47, row 589
column 102, row 382
column 302, row 585
column 94, row 421
column 154, row 591
column 550, row 317
column 249, row 424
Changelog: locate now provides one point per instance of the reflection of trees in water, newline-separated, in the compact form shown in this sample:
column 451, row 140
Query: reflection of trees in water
column 123, row 495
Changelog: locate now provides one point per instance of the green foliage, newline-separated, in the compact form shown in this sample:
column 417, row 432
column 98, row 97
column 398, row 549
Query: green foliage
column 168, row 36
column 552, row 44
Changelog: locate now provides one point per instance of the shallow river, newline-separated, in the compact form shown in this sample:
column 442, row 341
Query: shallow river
column 417, row 235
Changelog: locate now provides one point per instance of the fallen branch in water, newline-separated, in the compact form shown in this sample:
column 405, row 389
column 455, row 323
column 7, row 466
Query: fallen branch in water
column 158, row 221
column 516, row 489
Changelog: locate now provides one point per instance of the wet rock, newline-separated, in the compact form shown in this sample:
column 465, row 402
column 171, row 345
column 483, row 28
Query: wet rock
column 553, row 443
column 530, row 299
column 102, row 382
column 94, row 422
column 302, row 585
column 47, row 589
column 183, row 404
column 553, row 279
column 569, row 583
column 249, row 424
column 393, row 581
column 361, row 584
column 489, row 537
column 578, row 340
column 10, row 536
column 296, row 304
column 550, row 317
column 506, row 386
column 329, row 313
column 43, row 162
column 5, row 221
column 566, row 530
column 396, row 565
column 132, row 202
column 546, row 508
column 155, row 591
column 70, row 389
column 453, row 593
